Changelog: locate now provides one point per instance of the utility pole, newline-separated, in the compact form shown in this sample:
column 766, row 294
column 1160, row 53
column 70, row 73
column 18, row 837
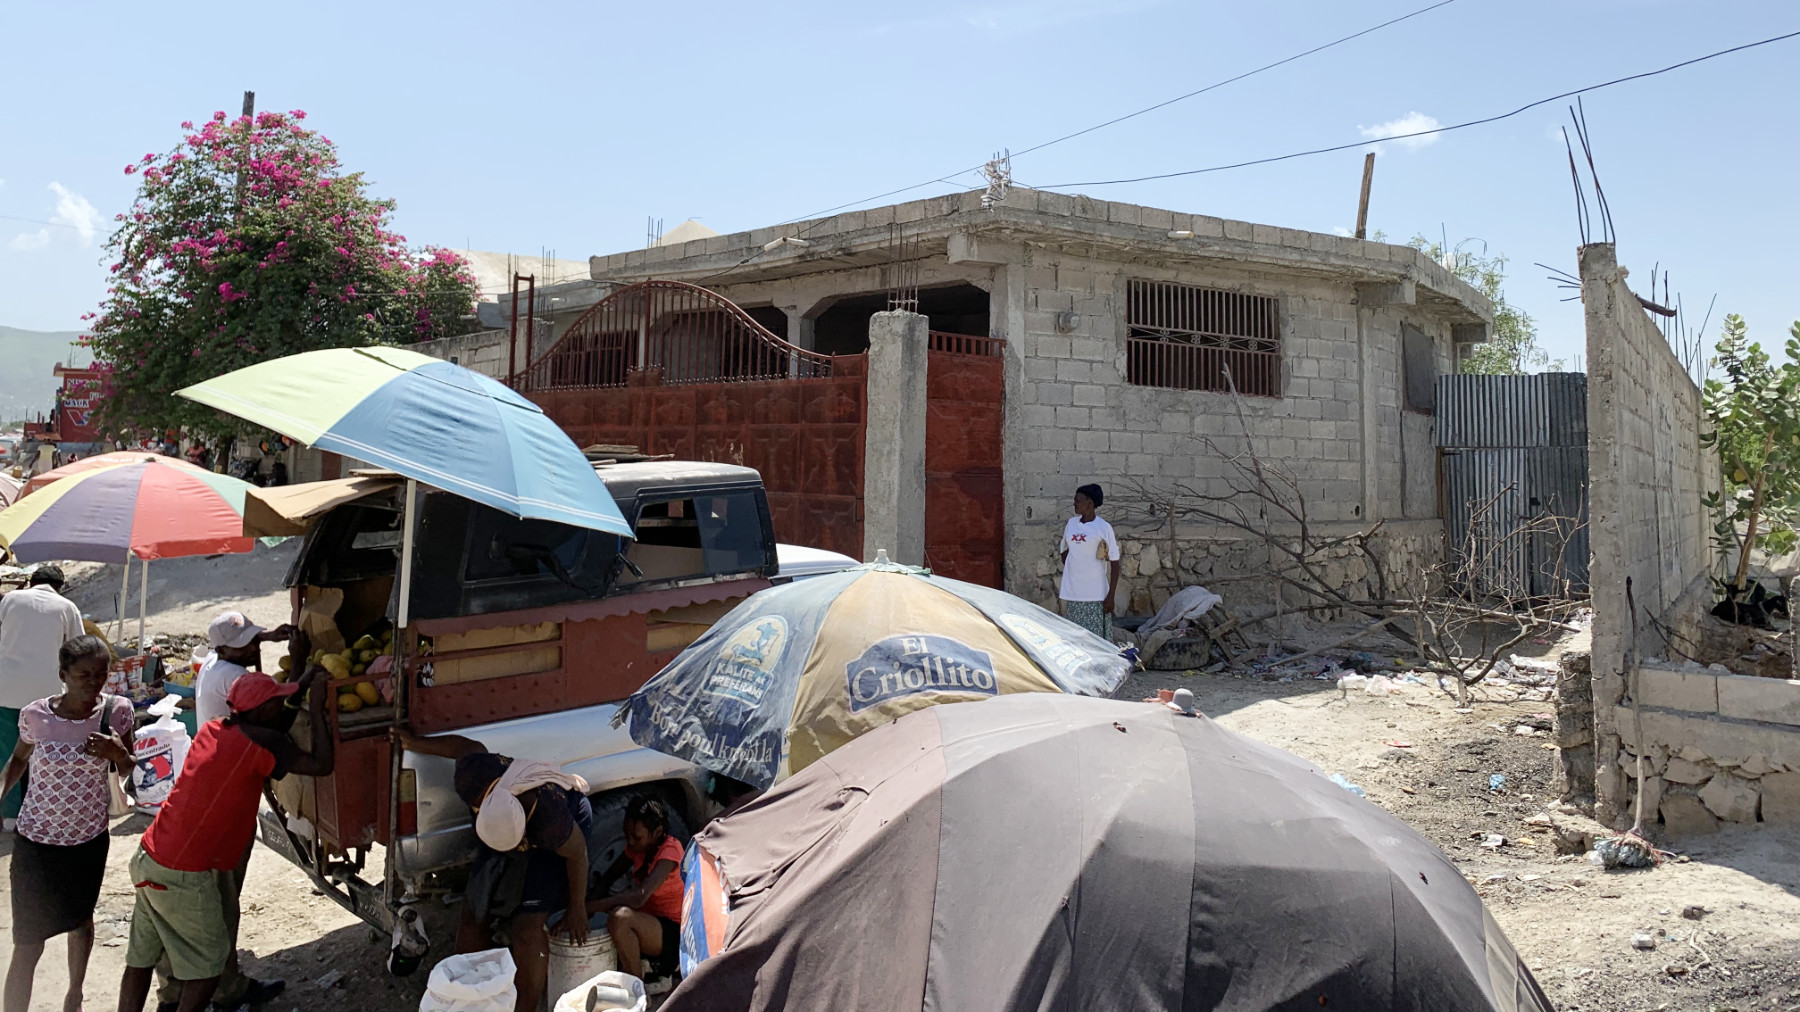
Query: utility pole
column 250, row 127
column 1362, row 206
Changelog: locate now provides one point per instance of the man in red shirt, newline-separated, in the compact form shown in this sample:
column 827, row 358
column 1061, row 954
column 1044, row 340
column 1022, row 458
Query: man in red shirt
column 204, row 830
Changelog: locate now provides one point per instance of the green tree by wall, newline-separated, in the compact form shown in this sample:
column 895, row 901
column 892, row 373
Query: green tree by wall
column 1512, row 346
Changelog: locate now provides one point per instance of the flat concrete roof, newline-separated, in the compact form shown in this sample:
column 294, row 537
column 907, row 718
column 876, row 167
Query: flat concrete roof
column 955, row 225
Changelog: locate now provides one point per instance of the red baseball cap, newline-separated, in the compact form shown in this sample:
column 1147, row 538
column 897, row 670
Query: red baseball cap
column 253, row 688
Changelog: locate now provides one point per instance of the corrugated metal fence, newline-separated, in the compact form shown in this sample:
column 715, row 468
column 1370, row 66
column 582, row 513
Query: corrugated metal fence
column 1513, row 450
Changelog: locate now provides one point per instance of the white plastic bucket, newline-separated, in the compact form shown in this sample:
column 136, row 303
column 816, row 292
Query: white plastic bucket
column 571, row 965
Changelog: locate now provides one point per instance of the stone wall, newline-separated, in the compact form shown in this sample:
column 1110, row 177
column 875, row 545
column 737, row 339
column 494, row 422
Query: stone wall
column 1717, row 748
column 1233, row 564
column 1647, row 472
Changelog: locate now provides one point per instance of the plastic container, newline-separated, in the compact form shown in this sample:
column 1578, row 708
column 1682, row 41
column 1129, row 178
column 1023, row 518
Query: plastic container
column 611, row 991
column 160, row 749
column 572, row 964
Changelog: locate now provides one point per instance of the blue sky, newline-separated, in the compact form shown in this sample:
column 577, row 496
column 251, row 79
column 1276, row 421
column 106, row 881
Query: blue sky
column 561, row 126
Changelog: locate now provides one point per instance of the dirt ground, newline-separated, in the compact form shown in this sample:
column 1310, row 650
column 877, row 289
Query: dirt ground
column 1573, row 923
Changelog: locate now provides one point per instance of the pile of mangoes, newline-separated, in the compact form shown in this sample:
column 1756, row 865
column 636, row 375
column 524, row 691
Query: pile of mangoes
column 351, row 662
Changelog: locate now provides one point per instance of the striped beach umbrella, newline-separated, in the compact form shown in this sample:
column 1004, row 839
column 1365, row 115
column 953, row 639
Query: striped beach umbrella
column 154, row 508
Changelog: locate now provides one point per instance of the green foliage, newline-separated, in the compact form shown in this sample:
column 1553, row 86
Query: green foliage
column 1511, row 346
column 1753, row 408
column 249, row 242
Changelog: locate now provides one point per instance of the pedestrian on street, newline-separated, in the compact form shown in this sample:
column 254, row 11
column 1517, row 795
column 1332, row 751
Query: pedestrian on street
column 278, row 474
column 236, row 647
column 533, row 822
column 34, row 624
column 1090, row 555
column 646, row 919
column 187, row 868
column 68, row 741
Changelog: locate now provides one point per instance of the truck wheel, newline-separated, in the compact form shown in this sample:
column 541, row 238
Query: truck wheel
column 607, row 840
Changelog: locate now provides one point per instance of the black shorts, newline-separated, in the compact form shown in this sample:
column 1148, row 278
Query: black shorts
column 671, row 949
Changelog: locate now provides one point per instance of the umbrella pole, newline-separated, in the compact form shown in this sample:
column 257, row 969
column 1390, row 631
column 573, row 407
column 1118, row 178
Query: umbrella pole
column 143, row 604
column 124, row 599
column 402, row 617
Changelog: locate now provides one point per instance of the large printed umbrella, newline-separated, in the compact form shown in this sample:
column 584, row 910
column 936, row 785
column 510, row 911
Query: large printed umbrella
column 100, row 460
column 9, row 490
column 1051, row 852
column 798, row 670
column 156, row 508
column 426, row 419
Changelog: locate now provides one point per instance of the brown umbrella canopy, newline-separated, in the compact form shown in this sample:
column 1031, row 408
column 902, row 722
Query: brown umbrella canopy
column 1058, row 852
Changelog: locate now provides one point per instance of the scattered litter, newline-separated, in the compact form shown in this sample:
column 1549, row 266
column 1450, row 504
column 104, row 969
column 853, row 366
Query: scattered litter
column 1396, row 743
column 1495, row 879
column 330, row 980
column 1351, row 681
column 1526, row 731
column 1493, row 841
column 1496, row 781
column 1408, row 790
column 1675, row 969
column 1643, row 940
column 1338, row 779
column 1529, row 878
column 1694, row 911
column 1380, row 685
column 1464, row 709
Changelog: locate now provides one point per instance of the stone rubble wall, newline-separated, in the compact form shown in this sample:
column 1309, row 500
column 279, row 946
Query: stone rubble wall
column 1718, row 748
column 1233, row 564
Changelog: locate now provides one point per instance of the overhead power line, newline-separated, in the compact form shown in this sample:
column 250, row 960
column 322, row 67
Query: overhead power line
column 1435, row 130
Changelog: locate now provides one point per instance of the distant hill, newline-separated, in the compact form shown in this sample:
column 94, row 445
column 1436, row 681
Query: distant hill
column 27, row 358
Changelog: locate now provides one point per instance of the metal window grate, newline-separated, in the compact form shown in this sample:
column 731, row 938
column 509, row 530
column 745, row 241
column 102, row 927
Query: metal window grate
column 1186, row 337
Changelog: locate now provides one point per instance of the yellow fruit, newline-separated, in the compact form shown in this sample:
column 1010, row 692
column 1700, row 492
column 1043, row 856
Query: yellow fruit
column 365, row 643
column 286, row 663
column 335, row 664
column 349, row 656
column 367, row 691
column 358, row 670
column 365, row 656
column 349, row 702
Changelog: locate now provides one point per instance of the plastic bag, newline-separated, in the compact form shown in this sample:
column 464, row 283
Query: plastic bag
column 160, row 749
column 471, row 982
column 612, row 990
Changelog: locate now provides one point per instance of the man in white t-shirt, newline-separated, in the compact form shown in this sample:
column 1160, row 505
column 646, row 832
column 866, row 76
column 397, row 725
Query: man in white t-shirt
column 236, row 646
column 1090, row 554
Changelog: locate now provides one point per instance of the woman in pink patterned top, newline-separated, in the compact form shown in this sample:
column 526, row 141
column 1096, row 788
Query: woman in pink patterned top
column 67, row 742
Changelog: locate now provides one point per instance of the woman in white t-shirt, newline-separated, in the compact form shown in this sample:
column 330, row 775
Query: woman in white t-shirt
column 1090, row 554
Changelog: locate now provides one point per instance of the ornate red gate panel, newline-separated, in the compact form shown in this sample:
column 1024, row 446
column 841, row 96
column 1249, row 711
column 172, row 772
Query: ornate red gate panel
column 965, row 389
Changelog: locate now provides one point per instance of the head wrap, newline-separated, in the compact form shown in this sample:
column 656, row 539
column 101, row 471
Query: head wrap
column 501, row 821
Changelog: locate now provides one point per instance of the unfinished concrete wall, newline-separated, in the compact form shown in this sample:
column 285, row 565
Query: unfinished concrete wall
column 1339, row 425
column 1647, row 472
column 483, row 351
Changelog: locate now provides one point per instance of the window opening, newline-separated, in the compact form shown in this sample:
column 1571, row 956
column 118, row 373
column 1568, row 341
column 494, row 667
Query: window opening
column 1185, row 337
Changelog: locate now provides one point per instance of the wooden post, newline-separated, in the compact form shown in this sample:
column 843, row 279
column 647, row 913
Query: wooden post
column 1362, row 205
column 250, row 114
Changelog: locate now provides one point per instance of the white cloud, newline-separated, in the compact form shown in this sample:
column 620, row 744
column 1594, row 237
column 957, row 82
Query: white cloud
column 1341, row 230
column 73, row 210
column 1411, row 123
column 30, row 240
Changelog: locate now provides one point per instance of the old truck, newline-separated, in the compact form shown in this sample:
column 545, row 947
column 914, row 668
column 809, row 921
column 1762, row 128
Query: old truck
column 522, row 634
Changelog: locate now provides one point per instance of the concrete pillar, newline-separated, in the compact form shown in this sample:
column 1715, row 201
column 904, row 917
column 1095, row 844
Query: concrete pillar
column 799, row 334
column 894, row 438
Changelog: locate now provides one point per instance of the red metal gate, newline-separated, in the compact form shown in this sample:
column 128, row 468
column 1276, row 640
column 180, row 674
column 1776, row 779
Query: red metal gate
column 674, row 368
column 965, row 389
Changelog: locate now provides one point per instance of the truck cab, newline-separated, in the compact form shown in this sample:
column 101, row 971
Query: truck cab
column 525, row 635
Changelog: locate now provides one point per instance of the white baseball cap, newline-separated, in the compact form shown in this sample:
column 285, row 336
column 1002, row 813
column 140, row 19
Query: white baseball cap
column 232, row 629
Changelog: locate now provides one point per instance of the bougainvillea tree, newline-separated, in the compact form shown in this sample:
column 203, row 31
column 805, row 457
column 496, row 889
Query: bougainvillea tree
column 248, row 242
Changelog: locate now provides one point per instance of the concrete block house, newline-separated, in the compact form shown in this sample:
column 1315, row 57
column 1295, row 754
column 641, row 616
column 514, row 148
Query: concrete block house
column 1044, row 341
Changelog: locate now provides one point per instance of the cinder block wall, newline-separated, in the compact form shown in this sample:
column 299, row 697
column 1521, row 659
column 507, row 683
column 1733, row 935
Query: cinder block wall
column 1339, row 426
column 1647, row 472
